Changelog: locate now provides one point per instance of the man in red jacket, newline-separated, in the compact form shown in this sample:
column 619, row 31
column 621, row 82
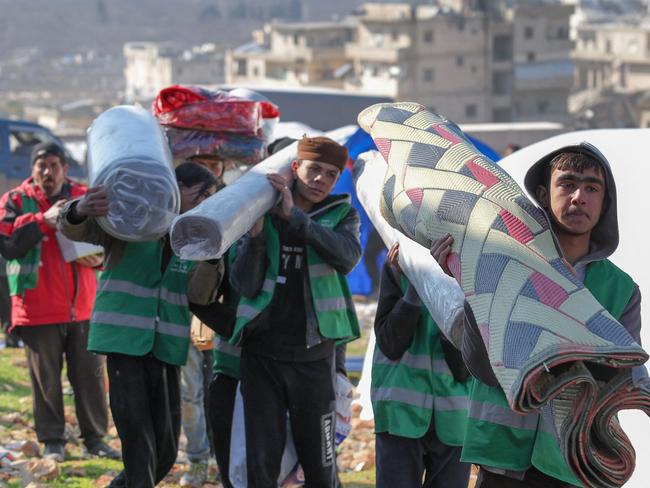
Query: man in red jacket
column 51, row 304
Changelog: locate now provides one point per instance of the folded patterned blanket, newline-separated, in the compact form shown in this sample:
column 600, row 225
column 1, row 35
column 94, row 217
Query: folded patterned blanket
column 541, row 327
column 186, row 143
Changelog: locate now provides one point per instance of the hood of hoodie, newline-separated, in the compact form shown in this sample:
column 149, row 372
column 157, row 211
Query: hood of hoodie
column 604, row 236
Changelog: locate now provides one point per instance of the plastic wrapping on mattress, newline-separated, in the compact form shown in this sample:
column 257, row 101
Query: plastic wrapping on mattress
column 128, row 155
column 439, row 292
column 208, row 230
column 185, row 143
column 190, row 107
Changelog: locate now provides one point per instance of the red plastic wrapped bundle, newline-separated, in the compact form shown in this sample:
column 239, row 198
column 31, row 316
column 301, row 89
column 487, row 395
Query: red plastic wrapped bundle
column 185, row 143
column 190, row 107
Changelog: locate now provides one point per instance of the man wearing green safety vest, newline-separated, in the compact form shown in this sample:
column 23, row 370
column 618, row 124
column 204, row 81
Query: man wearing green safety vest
column 289, row 272
column 419, row 391
column 141, row 321
column 576, row 188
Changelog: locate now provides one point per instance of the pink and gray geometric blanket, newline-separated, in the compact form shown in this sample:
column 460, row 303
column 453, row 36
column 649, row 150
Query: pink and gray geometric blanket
column 541, row 327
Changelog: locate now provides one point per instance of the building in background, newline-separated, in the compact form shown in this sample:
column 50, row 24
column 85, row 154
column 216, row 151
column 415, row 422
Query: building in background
column 151, row 66
column 472, row 60
column 613, row 55
column 542, row 66
column 293, row 54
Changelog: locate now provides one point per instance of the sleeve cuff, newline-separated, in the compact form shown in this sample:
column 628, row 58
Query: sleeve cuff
column 298, row 219
column 69, row 213
column 41, row 223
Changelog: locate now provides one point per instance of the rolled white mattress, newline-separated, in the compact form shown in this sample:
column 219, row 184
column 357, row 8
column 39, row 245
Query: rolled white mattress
column 208, row 230
column 129, row 155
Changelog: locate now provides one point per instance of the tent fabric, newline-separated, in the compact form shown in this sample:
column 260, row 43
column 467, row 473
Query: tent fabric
column 359, row 278
column 533, row 314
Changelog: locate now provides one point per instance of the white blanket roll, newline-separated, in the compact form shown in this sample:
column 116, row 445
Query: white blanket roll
column 439, row 292
column 208, row 230
column 129, row 155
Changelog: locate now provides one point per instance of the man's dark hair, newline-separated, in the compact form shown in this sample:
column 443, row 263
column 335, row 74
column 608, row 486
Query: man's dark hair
column 280, row 143
column 572, row 160
column 191, row 174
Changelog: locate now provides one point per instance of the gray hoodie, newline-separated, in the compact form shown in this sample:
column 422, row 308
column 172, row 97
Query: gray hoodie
column 604, row 237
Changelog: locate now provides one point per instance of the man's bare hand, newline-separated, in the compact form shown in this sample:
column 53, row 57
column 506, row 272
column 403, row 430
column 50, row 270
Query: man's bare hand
column 440, row 249
column 393, row 257
column 285, row 205
column 92, row 261
column 50, row 216
column 94, row 203
column 257, row 228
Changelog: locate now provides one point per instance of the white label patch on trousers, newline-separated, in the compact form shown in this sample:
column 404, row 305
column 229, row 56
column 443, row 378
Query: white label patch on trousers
column 327, row 438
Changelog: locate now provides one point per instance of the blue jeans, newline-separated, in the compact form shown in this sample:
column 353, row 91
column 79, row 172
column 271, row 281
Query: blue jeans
column 193, row 394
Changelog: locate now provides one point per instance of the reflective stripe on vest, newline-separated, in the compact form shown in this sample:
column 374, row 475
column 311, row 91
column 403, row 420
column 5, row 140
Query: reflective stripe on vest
column 408, row 392
column 22, row 273
column 226, row 358
column 141, row 291
column 139, row 310
column 331, row 297
column 402, row 395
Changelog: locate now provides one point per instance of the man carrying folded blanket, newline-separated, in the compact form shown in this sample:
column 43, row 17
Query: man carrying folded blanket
column 576, row 188
column 295, row 305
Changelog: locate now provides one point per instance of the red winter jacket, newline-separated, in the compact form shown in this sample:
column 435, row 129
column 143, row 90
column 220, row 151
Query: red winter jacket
column 65, row 291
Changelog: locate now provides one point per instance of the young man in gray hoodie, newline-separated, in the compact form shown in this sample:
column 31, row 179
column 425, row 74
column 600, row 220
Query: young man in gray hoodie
column 576, row 188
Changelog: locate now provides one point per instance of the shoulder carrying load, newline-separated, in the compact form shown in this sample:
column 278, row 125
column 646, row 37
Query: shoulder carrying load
column 549, row 340
column 208, row 230
column 129, row 156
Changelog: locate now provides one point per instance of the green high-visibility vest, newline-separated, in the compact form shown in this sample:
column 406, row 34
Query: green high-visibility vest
column 498, row 437
column 225, row 355
column 139, row 310
column 226, row 358
column 331, row 297
column 22, row 273
column 408, row 392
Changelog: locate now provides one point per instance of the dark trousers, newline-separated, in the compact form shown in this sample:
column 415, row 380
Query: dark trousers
column 45, row 346
column 221, row 404
column 146, row 408
column 402, row 462
column 305, row 390
column 533, row 479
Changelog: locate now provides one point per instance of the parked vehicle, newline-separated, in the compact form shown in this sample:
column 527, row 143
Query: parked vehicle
column 17, row 138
